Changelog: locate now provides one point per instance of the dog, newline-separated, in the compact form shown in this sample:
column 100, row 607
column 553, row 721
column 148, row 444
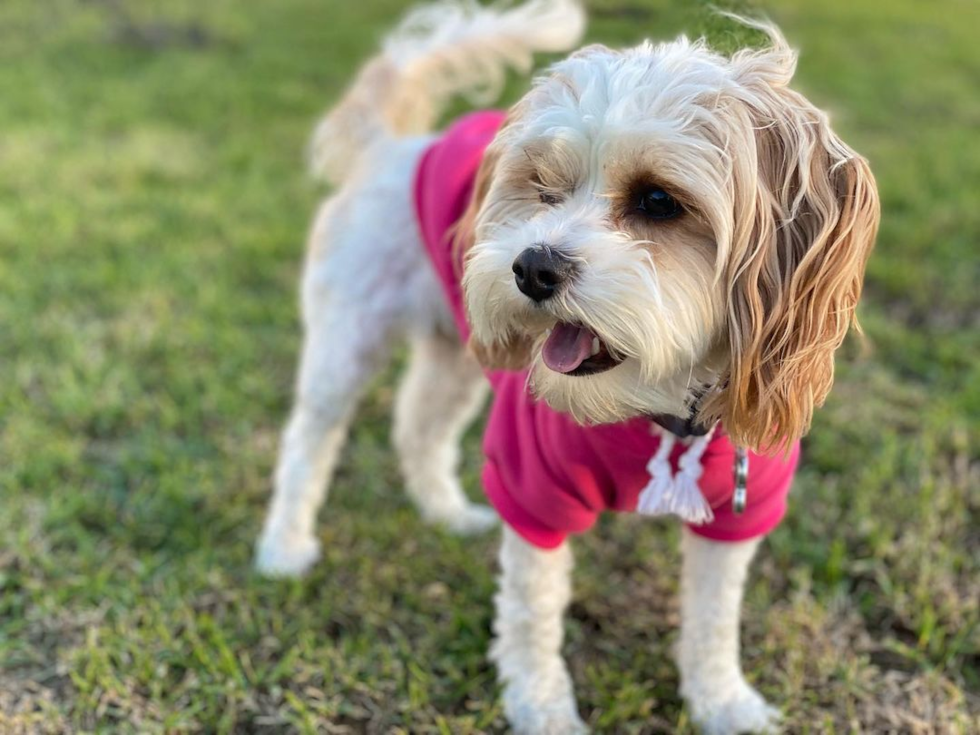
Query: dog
column 652, row 258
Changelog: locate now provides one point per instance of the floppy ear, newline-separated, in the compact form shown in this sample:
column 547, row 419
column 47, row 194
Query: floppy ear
column 808, row 219
column 515, row 352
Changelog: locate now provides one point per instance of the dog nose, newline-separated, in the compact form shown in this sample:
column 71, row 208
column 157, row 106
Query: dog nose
column 540, row 271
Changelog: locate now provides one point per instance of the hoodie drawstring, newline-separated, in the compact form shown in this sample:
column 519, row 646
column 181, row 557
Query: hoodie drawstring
column 679, row 494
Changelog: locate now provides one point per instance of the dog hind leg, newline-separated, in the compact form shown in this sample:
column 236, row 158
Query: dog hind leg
column 339, row 359
column 439, row 396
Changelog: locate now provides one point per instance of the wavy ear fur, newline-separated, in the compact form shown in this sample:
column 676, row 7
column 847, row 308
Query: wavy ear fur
column 805, row 226
column 515, row 353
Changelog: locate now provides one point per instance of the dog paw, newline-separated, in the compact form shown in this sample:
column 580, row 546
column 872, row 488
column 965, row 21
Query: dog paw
column 293, row 557
column 540, row 701
column 559, row 718
column 741, row 711
column 472, row 519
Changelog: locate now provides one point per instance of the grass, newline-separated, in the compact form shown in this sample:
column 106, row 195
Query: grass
column 153, row 206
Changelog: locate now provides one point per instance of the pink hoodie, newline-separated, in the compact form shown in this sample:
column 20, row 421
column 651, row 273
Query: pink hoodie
column 547, row 475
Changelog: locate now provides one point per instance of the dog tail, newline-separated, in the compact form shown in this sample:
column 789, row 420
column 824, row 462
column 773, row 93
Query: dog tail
column 449, row 48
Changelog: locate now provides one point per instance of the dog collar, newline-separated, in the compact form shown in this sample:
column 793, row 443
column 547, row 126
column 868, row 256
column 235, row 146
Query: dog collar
column 682, row 428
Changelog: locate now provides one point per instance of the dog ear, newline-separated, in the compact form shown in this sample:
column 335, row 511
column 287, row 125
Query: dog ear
column 515, row 352
column 806, row 220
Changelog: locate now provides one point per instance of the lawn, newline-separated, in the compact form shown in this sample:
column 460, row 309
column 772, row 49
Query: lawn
column 153, row 206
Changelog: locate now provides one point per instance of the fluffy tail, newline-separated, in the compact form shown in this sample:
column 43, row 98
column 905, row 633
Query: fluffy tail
column 448, row 48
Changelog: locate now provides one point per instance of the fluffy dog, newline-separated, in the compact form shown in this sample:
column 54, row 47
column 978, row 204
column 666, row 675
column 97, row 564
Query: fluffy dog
column 653, row 256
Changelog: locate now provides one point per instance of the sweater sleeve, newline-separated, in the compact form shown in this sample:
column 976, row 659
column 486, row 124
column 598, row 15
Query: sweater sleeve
column 769, row 483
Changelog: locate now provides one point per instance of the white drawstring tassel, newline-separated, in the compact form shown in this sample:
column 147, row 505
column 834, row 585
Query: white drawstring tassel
column 689, row 503
column 678, row 494
column 656, row 495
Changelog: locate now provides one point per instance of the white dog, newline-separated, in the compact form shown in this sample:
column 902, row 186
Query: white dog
column 656, row 237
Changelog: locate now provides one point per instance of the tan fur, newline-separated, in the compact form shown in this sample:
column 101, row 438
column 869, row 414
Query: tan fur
column 513, row 353
column 751, row 291
column 796, row 269
column 745, row 292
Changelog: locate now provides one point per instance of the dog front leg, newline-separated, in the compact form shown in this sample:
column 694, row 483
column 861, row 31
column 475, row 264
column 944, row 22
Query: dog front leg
column 712, row 583
column 535, row 588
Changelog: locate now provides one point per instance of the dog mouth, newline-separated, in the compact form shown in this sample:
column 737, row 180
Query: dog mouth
column 572, row 349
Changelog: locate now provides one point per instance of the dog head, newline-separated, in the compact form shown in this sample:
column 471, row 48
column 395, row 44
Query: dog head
column 659, row 222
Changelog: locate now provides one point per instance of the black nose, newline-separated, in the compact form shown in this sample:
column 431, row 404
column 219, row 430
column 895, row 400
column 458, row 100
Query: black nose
column 540, row 271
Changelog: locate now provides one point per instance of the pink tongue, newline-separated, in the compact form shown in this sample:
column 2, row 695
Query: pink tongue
column 567, row 347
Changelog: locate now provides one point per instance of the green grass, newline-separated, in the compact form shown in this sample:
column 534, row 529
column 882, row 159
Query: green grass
column 153, row 207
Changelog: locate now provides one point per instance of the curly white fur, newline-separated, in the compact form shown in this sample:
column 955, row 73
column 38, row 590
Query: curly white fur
column 663, row 298
column 712, row 581
column 667, row 113
column 535, row 589
column 439, row 50
column 368, row 229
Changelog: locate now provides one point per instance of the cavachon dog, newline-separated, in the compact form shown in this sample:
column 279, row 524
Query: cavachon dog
column 651, row 258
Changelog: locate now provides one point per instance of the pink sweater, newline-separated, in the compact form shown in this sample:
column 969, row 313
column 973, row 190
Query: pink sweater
column 547, row 475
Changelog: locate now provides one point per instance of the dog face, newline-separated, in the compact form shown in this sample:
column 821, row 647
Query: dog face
column 654, row 221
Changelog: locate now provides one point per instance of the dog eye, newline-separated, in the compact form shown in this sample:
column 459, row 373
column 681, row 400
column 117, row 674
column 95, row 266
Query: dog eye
column 655, row 203
column 549, row 198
